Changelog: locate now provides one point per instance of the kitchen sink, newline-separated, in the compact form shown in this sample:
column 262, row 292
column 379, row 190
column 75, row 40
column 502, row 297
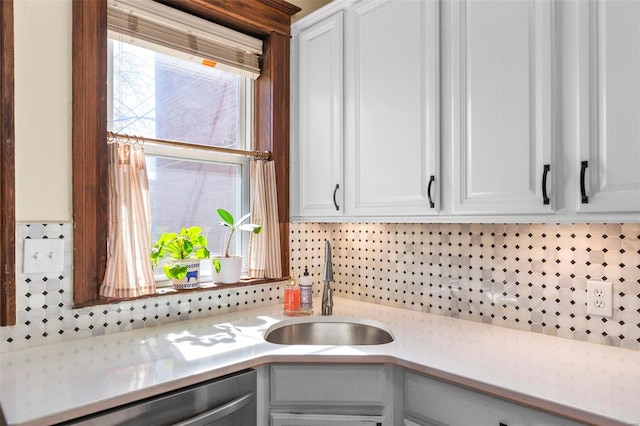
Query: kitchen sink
column 328, row 331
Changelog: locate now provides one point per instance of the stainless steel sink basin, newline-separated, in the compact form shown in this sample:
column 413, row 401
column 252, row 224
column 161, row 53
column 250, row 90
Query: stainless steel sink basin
column 328, row 331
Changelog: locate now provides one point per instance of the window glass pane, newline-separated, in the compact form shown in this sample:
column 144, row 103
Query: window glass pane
column 132, row 89
column 160, row 96
column 187, row 193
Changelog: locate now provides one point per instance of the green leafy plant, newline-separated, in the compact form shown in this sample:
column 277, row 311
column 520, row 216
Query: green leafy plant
column 188, row 244
column 230, row 222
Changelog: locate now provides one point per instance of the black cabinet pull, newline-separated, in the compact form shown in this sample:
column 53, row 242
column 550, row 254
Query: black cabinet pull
column 335, row 203
column 583, row 189
column 431, row 180
column 545, row 197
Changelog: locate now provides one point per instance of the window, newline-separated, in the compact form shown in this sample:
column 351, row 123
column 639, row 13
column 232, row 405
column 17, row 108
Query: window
column 161, row 96
column 270, row 21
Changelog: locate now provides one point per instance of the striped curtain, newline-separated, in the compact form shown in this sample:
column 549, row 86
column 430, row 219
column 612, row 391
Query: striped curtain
column 264, row 248
column 129, row 272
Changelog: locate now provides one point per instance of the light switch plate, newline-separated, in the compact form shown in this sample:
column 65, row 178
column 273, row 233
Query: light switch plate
column 43, row 255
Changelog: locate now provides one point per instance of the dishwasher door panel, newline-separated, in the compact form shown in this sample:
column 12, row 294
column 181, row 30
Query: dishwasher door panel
column 228, row 401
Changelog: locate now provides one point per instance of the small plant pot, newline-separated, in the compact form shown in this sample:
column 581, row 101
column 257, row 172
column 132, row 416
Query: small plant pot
column 192, row 279
column 230, row 270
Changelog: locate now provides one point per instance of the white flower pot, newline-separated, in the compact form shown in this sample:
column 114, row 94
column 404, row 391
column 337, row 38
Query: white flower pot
column 192, row 279
column 230, row 270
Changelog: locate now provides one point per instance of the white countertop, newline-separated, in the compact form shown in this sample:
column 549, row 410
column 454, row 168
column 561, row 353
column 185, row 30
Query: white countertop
column 53, row 383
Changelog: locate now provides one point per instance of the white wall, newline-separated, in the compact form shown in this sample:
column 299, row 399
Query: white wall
column 307, row 7
column 43, row 109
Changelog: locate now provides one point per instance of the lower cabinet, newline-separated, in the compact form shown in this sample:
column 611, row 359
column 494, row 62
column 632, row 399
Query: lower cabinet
column 322, row 395
column 430, row 402
column 380, row 395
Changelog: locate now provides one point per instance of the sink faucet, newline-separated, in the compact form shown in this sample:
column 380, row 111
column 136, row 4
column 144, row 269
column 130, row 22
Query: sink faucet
column 327, row 277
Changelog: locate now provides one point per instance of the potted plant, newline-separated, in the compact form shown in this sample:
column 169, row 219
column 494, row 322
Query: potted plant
column 226, row 268
column 184, row 252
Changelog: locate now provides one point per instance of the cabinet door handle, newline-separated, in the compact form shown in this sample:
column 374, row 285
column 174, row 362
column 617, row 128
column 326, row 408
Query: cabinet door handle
column 431, row 180
column 335, row 203
column 545, row 197
column 583, row 189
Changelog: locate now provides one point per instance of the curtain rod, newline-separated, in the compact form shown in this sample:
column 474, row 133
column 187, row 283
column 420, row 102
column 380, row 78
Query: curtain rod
column 258, row 155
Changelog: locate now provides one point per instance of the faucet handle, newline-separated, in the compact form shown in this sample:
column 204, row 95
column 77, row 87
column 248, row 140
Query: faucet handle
column 327, row 300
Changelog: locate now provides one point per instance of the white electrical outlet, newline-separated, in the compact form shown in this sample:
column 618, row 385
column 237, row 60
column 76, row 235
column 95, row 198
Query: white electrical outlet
column 600, row 298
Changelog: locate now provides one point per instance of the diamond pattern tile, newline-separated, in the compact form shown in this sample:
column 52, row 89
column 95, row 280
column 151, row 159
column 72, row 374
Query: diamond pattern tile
column 530, row 277
column 44, row 313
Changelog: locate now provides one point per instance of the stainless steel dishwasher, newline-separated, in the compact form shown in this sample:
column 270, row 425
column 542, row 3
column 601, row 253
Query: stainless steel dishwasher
column 227, row 401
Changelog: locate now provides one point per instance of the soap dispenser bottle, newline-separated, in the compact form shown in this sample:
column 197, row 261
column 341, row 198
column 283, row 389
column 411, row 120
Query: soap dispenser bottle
column 306, row 293
column 291, row 296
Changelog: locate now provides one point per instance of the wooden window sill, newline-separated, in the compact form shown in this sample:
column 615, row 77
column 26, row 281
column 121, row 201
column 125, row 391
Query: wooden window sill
column 169, row 291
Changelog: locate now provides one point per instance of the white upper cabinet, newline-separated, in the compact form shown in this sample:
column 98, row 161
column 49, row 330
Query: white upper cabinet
column 609, row 111
column 317, row 119
column 467, row 110
column 502, row 107
column 392, row 109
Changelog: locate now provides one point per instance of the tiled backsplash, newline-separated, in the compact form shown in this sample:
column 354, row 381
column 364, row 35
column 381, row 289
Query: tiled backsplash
column 44, row 313
column 529, row 277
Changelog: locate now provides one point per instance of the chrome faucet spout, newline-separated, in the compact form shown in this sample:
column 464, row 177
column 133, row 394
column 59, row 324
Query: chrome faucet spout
column 327, row 277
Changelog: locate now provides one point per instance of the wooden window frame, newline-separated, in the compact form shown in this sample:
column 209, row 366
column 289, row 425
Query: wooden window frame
column 269, row 20
column 7, row 175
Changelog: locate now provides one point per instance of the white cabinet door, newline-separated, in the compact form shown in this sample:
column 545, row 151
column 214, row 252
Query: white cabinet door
column 335, row 385
column 336, row 394
column 431, row 402
column 502, row 106
column 609, row 145
column 392, row 95
column 317, row 129
column 293, row 419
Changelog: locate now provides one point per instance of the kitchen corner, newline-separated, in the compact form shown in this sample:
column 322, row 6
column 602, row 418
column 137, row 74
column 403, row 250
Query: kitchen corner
column 472, row 164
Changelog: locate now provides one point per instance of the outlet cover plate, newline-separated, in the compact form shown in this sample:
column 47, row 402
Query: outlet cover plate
column 600, row 298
